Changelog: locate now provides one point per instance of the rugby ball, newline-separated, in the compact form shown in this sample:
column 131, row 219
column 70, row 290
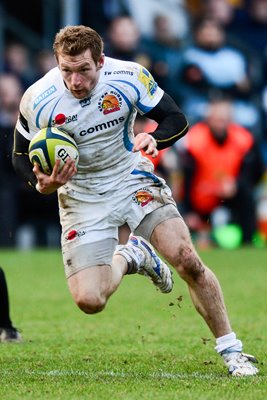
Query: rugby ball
column 51, row 144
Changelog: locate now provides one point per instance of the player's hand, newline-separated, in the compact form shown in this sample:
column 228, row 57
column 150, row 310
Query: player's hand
column 146, row 142
column 48, row 184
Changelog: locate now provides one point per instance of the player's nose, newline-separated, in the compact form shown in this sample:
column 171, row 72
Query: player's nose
column 75, row 79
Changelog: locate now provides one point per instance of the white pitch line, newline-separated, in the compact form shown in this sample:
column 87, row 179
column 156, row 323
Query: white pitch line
column 122, row 374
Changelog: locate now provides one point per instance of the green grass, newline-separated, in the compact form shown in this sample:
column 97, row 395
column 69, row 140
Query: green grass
column 144, row 346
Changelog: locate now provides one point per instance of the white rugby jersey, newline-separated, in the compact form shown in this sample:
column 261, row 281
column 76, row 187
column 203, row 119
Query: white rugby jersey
column 101, row 124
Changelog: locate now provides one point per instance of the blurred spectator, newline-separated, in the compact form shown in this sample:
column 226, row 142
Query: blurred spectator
column 245, row 24
column 99, row 14
column 261, row 210
column 222, row 166
column 10, row 93
column 210, row 68
column 145, row 13
column 17, row 61
column 221, row 11
column 20, row 205
column 8, row 333
column 250, row 24
column 44, row 61
column 164, row 50
column 124, row 41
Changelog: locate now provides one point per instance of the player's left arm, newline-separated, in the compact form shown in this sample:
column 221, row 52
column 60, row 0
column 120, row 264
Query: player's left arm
column 172, row 123
column 20, row 159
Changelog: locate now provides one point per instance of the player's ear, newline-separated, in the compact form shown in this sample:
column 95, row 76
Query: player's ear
column 100, row 62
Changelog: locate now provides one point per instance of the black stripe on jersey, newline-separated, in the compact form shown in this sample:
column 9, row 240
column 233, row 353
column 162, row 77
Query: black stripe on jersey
column 24, row 122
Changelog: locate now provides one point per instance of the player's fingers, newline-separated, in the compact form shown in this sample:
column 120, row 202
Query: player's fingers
column 36, row 169
column 151, row 147
column 69, row 169
column 143, row 143
column 138, row 146
column 155, row 153
column 55, row 169
column 152, row 150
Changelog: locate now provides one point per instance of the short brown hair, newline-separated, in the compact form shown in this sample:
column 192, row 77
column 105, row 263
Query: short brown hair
column 74, row 40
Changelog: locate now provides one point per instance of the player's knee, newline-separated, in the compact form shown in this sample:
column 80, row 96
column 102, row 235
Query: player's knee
column 188, row 264
column 91, row 303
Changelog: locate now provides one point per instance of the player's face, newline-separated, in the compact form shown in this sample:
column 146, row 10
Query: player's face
column 80, row 73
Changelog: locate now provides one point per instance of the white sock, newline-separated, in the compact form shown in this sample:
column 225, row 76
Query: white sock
column 228, row 341
column 133, row 255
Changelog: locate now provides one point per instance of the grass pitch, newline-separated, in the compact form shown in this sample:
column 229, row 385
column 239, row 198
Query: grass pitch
column 145, row 345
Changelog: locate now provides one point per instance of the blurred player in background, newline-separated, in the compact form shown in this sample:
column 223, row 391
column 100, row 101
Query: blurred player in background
column 224, row 183
column 8, row 333
column 113, row 184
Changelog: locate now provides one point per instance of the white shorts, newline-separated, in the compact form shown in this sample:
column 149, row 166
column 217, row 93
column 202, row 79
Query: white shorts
column 90, row 221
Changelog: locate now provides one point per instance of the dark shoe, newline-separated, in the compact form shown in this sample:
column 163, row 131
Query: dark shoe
column 10, row 335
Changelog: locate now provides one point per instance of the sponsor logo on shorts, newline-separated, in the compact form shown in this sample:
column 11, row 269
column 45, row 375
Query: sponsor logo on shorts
column 61, row 119
column 74, row 234
column 110, row 102
column 142, row 197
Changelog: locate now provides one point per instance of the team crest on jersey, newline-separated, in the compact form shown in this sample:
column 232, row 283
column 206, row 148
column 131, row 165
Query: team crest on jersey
column 61, row 119
column 142, row 197
column 110, row 102
column 148, row 81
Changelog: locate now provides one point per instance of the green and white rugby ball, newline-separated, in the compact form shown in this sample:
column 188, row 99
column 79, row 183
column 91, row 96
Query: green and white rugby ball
column 51, row 144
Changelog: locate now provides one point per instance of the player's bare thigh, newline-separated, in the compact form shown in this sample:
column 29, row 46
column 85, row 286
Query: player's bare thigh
column 89, row 287
column 92, row 286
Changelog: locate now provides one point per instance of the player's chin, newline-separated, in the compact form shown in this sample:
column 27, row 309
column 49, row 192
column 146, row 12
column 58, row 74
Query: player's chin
column 79, row 94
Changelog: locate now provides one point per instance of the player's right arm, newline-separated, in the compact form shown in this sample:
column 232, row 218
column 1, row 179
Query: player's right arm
column 48, row 184
column 20, row 159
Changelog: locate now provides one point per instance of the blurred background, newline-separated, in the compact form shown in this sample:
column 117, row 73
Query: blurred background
column 199, row 51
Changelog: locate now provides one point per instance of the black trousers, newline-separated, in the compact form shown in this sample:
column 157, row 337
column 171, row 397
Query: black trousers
column 5, row 321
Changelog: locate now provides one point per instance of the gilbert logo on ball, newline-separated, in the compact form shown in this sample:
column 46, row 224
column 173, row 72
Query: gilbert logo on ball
column 51, row 144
